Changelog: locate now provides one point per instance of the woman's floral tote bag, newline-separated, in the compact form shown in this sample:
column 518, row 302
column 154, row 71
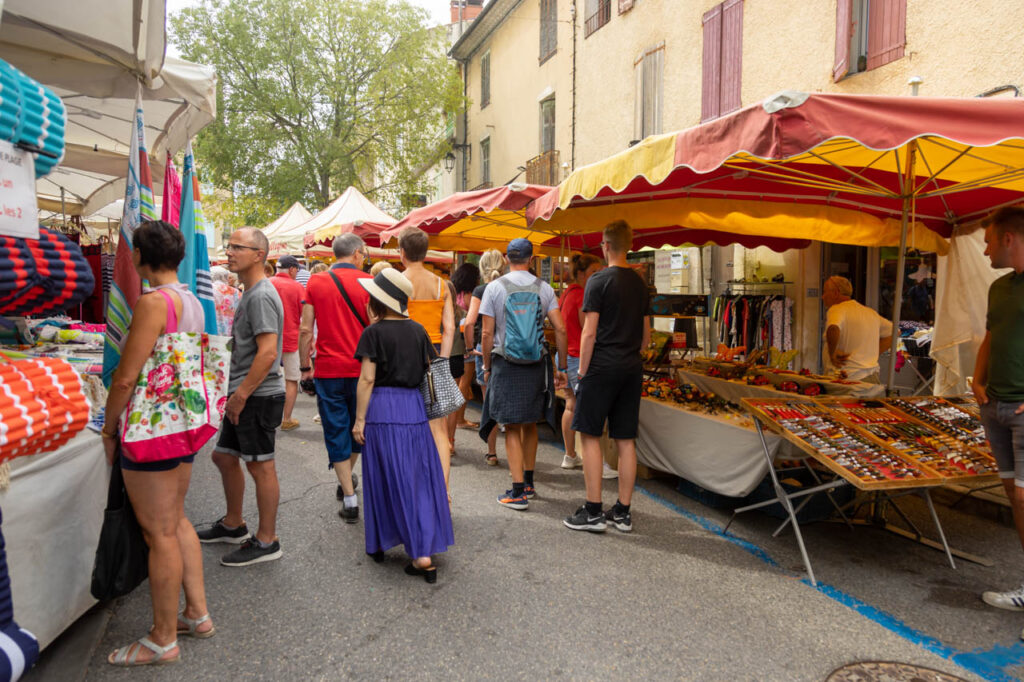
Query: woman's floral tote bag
column 178, row 403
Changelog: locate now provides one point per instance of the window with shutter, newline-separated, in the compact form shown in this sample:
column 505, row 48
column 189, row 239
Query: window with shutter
column 599, row 13
column 869, row 34
column 485, row 161
column 625, row 6
column 547, row 125
column 649, row 92
column 485, row 79
column 548, row 28
column 722, row 66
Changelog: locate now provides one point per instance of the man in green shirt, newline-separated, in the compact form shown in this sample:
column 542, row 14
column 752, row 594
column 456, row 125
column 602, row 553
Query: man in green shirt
column 999, row 372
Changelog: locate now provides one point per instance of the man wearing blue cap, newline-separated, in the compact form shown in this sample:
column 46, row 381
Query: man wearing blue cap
column 516, row 364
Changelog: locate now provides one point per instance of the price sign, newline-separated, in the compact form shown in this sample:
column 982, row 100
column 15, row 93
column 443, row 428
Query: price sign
column 18, row 211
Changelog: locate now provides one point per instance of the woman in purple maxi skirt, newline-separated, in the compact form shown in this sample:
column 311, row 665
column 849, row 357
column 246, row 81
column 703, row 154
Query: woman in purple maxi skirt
column 404, row 494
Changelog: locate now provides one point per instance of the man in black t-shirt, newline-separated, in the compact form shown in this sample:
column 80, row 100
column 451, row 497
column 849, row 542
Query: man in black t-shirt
column 616, row 309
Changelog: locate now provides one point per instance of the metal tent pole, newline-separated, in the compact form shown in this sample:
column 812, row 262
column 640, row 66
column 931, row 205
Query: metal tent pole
column 901, row 265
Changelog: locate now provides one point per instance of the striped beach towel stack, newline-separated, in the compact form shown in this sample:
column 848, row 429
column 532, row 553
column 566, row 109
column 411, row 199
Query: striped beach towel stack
column 32, row 117
column 42, row 275
column 42, row 406
column 19, row 650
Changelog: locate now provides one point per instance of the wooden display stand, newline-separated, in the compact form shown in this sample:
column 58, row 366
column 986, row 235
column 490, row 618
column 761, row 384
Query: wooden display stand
column 884, row 492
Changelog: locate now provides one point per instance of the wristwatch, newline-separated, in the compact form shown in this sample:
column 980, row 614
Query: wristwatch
column 305, row 369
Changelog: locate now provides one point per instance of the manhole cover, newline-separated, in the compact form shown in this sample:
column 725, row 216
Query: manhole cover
column 887, row 671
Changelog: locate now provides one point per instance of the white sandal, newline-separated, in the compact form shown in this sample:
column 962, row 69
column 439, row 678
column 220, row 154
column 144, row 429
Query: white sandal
column 121, row 657
column 191, row 624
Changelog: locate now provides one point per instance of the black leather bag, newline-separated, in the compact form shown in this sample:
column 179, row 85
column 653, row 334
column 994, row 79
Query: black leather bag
column 122, row 555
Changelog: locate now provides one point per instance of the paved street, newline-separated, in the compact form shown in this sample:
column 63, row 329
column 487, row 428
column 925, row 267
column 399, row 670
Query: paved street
column 519, row 596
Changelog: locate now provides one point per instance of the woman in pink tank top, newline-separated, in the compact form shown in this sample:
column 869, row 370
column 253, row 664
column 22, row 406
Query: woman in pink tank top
column 157, row 489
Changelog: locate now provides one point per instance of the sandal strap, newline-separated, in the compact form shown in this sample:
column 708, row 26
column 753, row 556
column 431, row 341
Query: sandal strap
column 193, row 623
column 129, row 654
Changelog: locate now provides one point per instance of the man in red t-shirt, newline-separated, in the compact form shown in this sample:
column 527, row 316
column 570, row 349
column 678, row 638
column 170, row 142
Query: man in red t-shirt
column 337, row 305
column 292, row 295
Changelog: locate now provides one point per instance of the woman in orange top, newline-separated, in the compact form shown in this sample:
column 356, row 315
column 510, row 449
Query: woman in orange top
column 431, row 306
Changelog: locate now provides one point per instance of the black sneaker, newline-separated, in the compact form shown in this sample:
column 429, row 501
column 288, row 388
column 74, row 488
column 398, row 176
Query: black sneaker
column 218, row 532
column 252, row 553
column 581, row 520
column 340, row 494
column 622, row 520
column 350, row 514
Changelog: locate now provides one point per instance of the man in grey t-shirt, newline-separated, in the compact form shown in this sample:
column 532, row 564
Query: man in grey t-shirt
column 254, row 407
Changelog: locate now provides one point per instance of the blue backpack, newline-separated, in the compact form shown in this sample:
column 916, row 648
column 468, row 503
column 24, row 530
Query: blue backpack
column 524, row 323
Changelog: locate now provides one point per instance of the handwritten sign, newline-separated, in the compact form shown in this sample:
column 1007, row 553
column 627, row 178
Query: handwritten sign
column 18, row 212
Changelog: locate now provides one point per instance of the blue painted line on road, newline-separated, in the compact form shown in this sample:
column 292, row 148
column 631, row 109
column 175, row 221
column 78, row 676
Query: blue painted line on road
column 991, row 664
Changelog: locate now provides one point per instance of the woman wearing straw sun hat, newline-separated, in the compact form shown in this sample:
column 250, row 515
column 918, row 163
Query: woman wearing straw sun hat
column 405, row 496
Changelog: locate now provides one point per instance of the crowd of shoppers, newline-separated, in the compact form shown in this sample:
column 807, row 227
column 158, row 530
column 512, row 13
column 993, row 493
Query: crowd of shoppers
column 367, row 340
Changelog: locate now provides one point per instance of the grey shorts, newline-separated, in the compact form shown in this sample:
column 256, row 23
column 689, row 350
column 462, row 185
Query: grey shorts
column 1005, row 431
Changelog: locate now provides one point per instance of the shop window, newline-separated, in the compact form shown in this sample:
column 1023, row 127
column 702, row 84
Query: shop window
column 548, row 28
column 547, row 125
column 869, row 34
column 485, row 79
column 648, row 71
column 722, row 59
column 599, row 13
column 485, row 161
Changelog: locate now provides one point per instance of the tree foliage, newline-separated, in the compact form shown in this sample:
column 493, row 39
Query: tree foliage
column 317, row 95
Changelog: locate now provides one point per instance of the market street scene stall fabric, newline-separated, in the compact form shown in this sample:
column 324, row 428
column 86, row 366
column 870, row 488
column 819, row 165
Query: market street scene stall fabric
column 194, row 270
column 42, row 275
column 126, row 286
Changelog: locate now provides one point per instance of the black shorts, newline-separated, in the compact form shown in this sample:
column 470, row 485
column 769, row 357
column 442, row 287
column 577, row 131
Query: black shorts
column 252, row 438
column 159, row 465
column 612, row 395
column 458, row 365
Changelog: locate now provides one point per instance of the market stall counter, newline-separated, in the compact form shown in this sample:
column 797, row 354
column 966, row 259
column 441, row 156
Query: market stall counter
column 53, row 512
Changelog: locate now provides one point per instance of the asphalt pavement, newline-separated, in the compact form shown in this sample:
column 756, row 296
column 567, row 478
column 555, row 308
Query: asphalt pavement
column 520, row 596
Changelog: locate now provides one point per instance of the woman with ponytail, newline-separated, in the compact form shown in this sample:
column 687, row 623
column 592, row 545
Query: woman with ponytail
column 492, row 266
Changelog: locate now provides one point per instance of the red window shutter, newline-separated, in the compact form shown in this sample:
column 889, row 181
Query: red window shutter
column 844, row 27
column 732, row 56
column 712, row 65
column 887, row 31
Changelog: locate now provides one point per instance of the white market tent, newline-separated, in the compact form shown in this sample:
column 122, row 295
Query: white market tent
column 288, row 228
column 351, row 212
column 95, row 54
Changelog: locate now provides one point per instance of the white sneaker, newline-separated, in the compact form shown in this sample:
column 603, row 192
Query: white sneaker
column 1011, row 601
column 317, row 419
column 609, row 472
column 571, row 462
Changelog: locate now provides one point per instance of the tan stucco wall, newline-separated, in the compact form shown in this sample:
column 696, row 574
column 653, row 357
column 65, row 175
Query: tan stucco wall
column 512, row 118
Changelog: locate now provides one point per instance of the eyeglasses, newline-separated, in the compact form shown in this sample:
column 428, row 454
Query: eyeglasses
column 231, row 248
column 604, row 242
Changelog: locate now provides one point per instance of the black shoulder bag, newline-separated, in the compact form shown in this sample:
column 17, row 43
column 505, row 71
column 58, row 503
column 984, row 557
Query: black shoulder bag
column 344, row 294
column 122, row 555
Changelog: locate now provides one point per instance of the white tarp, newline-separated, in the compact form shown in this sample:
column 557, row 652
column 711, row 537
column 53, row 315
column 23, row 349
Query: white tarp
column 93, row 54
column 53, row 513
column 961, row 301
column 127, row 34
column 288, row 228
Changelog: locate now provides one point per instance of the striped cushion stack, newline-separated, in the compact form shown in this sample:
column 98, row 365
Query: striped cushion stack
column 39, row 276
column 32, row 115
column 42, row 406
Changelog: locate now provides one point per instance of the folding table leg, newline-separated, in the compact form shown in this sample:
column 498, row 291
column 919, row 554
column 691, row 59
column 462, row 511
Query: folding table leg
column 938, row 526
column 780, row 492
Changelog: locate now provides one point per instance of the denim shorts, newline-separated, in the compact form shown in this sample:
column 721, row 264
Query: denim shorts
column 572, row 372
column 1005, row 431
column 479, row 368
column 336, row 401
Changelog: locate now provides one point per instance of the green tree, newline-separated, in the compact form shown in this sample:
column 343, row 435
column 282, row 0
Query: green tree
column 317, row 95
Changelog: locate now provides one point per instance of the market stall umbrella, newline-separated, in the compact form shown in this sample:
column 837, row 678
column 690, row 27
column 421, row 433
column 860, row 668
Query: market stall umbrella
column 351, row 212
column 478, row 220
column 288, row 229
column 848, row 169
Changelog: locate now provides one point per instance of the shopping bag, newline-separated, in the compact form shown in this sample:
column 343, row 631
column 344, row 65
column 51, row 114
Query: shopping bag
column 178, row 402
column 122, row 555
column 441, row 395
